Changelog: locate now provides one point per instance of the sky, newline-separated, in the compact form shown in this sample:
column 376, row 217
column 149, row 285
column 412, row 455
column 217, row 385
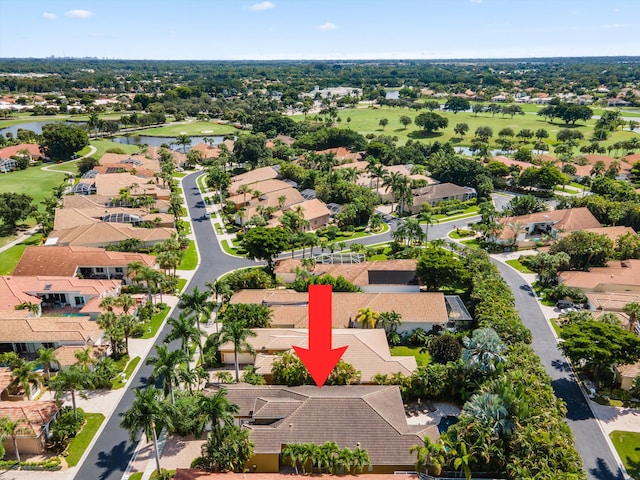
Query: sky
column 318, row 29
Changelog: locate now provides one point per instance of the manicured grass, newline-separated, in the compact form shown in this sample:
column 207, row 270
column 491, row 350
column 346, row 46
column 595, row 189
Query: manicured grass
column 473, row 243
column 230, row 250
column 119, row 381
column 628, row 447
column 186, row 227
column 193, row 128
column 555, row 326
column 455, row 235
column 81, row 441
column 422, row 358
column 136, row 476
column 190, row 259
column 155, row 323
column 201, row 183
column 178, row 174
column 181, row 283
column 518, row 266
column 10, row 257
column 365, row 121
column 103, row 145
column 33, row 181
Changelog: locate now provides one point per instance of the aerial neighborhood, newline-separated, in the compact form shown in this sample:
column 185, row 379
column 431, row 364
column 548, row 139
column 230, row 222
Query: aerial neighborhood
column 161, row 237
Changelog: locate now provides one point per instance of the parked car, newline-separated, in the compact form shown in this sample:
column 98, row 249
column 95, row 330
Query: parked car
column 562, row 304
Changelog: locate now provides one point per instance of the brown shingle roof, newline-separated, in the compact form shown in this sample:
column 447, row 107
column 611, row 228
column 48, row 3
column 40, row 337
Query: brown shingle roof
column 368, row 350
column 437, row 191
column 262, row 186
column 106, row 233
column 257, row 175
column 290, row 308
column 567, row 220
column 371, row 416
column 49, row 329
column 312, row 209
column 66, row 355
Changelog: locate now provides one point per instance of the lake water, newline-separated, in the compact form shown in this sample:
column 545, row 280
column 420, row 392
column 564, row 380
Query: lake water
column 158, row 141
column 33, row 126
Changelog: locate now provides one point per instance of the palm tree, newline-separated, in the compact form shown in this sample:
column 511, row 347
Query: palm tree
column 25, row 376
column 350, row 174
column 183, row 329
column 430, row 457
column 126, row 302
column 108, row 303
column 236, row 332
column 367, row 317
column 128, row 323
column 217, row 410
column 291, row 451
column 483, row 350
column 462, row 458
column 167, row 365
column 73, row 380
column 10, row 427
column 428, row 219
column 490, row 409
column 633, row 310
column 400, row 186
column 147, row 413
column 84, row 358
column 46, row 356
column 113, row 331
column 199, row 303
column 377, row 172
column 360, row 459
column 184, row 140
column 244, row 189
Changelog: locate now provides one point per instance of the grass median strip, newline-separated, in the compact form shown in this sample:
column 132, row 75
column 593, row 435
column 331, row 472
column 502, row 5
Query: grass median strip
column 81, row 441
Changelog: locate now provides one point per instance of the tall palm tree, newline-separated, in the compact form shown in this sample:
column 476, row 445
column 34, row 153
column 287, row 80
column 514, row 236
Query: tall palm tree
column 198, row 302
column 167, row 365
column 25, row 376
column 377, row 172
column 128, row 323
column 244, row 189
column 399, row 185
column 113, row 331
column 430, row 457
column 147, row 413
column 217, row 410
column 633, row 310
column 126, row 302
column 46, row 356
column 184, row 140
column 237, row 332
column 183, row 329
column 10, row 428
column 73, row 380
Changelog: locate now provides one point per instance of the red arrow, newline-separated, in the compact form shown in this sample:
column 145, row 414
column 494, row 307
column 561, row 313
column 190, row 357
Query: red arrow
column 320, row 358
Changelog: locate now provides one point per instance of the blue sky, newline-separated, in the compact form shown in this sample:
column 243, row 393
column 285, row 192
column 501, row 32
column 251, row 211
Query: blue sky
column 318, row 29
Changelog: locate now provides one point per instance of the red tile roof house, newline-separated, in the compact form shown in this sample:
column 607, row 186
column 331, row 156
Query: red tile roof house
column 436, row 193
column 34, row 419
column 290, row 309
column 81, row 262
column 195, row 474
column 544, row 226
column 368, row 351
column 368, row 417
column 32, row 149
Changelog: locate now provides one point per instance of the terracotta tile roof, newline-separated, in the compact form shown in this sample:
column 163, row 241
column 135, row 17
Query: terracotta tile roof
column 49, row 329
column 368, row 349
column 64, row 261
column 585, row 170
column 629, row 371
column 568, row 220
column 115, row 160
column 32, row 416
column 356, row 273
column 206, row 151
column 72, row 217
column 612, row 301
column 66, row 355
column 509, row 162
column 263, row 186
column 611, row 232
column 110, row 185
column 105, row 233
column 360, row 165
column 102, row 201
column 624, row 273
column 631, row 159
column 5, row 378
column 292, row 196
column 371, row 416
column 257, row 175
column 290, row 308
column 312, row 209
column 342, row 153
column 18, row 289
column 32, row 148
column 438, row 191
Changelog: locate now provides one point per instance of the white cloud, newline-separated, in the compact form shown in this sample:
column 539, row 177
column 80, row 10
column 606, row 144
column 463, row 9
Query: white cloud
column 327, row 26
column 258, row 7
column 78, row 14
column 49, row 16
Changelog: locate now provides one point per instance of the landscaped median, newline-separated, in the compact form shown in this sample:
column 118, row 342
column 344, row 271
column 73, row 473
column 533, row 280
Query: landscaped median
column 81, row 441
column 628, row 447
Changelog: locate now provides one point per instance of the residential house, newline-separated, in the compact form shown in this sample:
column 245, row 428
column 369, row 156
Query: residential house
column 527, row 230
column 313, row 211
column 368, row 417
column 111, row 185
column 343, row 154
column 290, row 309
column 105, row 202
column 619, row 276
column 626, row 374
column 83, row 262
column 31, row 150
column 276, row 200
column 436, row 193
column 583, row 171
column 34, row 419
column 66, row 354
column 66, row 218
column 102, row 234
column 264, row 187
column 196, row 474
column 367, row 350
column 612, row 233
column 252, row 176
column 51, row 292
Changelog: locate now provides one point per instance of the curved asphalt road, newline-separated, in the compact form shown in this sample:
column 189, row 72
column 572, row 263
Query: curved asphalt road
column 110, row 455
column 599, row 461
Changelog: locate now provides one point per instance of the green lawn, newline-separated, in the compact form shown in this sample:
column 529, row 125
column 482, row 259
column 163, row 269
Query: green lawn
column 155, row 323
column 193, row 128
column 118, row 382
column 201, row 184
column 230, row 250
column 10, row 257
column 81, row 441
column 136, row 476
column 422, row 358
column 518, row 266
column 628, row 447
column 190, row 259
column 365, row 120
column 181, row 283
column 103, row 145
column 473, row 243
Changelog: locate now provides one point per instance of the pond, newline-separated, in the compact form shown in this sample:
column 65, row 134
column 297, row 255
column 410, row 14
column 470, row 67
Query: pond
column 159, row 141
column 33, row 126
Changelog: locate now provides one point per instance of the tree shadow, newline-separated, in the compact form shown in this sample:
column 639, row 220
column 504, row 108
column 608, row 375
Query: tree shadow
column 569, row 392
column 115, row 460
column 561, row 365
column 603, row 472
column 456, row 140
column 420, row 134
